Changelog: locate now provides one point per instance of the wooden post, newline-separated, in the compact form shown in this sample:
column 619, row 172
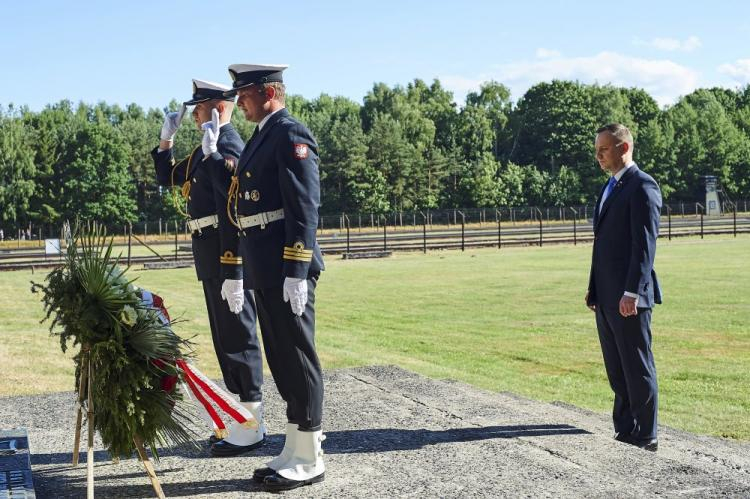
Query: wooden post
column 90, row 450
column 138, row 441
column 79, row 415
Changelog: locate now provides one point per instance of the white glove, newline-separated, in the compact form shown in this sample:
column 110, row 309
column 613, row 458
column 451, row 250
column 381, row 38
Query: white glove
column 211, row 134
column 171, row 124
column 232, row 292
column 295, row 292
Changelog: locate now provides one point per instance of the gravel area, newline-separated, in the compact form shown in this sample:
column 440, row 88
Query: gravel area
column 392, row 433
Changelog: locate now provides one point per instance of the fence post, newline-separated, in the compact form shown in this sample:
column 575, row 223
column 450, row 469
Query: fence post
column 734, row 218
column 463, row 222
column 130, row 235
column 385, row 236
column 575, row 231
column 176, row 231
column 540, row 225
column 424, row 232
column 702, row 210
column 669, row 221
column 346, row 217
column 498, row 216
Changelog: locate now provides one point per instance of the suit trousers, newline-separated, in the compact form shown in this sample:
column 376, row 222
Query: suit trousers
column 235, row 342
column 289, row 343
column 626, row 347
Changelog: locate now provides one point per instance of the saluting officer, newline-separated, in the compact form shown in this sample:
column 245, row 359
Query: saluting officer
column 203, row 179
column 275, row 199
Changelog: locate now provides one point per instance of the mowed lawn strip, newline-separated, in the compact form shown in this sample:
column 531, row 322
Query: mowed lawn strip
column 504, row 320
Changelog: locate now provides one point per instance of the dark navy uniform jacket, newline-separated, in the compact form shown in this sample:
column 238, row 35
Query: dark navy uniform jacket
column 205, row 182
column 625, row 233
column 278, row 169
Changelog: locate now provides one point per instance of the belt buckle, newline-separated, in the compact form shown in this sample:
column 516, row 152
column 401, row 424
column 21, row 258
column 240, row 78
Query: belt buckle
column 263, row 220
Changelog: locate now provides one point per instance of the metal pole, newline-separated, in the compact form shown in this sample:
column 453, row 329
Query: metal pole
column 463, row 222
column 734, row 218
column 385, row 237
column 498, row 215
column 540, row 226
column 424, row 232
column 575, row 232
column 669, row 220
column 130, row 236
column 176, row 231
column 346, row 217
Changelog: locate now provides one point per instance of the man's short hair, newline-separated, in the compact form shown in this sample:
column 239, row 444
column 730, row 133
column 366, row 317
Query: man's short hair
column 280, row 91
column 620, row 131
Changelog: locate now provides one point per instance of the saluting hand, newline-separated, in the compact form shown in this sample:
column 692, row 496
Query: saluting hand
column 171, row 124
column 211, row 134
column 295, row 292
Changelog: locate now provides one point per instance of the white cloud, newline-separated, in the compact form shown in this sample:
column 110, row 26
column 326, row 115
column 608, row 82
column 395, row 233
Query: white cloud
column 665, row 80
column 671, row 44
column 543, row 53
column 739, row 71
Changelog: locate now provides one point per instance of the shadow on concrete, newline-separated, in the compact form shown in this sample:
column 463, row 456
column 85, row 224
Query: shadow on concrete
column 348, row 442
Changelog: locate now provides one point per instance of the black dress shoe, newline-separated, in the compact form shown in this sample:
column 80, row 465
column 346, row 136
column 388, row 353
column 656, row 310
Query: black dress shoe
column 622, row 437
column 276, row 482
column 260, row 474
column 213, row 439
column 225, row 449
column 649, row 444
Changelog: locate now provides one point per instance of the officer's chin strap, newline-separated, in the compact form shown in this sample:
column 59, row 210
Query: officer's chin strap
column 232, row 195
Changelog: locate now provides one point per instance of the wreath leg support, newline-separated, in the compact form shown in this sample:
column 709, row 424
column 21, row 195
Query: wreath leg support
column 149, row 466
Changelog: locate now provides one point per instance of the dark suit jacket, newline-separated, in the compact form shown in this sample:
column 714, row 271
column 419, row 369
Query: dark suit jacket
column 279, row 169
column 625, row 233
column 215, row 250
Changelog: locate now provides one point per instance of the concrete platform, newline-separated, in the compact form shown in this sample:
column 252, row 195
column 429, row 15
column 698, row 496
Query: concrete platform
column 392, row 433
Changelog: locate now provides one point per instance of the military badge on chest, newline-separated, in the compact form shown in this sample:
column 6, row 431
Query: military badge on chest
column 253, row 195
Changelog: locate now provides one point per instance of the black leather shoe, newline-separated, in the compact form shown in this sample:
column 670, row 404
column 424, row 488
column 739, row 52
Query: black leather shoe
column 225, row 449
column 260, row 474
column 276, row 482
column 213, row 439
column 649, row 444
column 622, row 437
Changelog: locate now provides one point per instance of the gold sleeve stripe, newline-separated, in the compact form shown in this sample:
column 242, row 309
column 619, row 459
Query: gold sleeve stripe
column 297, row 258
column 231, row 260
column 297, row 252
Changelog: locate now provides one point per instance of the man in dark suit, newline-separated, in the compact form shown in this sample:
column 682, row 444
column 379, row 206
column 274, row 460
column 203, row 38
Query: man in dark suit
column 623, row 287
column 203, row 179
column 275, row 200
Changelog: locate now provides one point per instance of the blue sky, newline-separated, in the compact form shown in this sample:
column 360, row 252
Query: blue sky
column 147, row 52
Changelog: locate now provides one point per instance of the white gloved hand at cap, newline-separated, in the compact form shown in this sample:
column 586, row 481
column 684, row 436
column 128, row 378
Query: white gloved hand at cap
column 232, row 291
column 211, row 134
column 171, row 124
column 295, row 292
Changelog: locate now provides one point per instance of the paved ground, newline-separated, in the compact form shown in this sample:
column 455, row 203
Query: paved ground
column 392, row 433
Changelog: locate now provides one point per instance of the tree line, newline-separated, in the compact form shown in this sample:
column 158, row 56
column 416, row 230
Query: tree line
column 403, row 148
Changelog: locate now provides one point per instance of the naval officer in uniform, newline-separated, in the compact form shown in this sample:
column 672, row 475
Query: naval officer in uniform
column 203, row 179
column 274, row 199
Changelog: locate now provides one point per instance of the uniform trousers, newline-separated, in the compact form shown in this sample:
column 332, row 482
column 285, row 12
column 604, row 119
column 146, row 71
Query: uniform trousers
column 289, row 343
column 236, row 343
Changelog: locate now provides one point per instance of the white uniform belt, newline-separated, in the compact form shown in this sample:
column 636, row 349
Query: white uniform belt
column 200, row 223
column 261, row 219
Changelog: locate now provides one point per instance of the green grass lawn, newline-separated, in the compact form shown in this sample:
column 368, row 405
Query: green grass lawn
column 510, row 319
